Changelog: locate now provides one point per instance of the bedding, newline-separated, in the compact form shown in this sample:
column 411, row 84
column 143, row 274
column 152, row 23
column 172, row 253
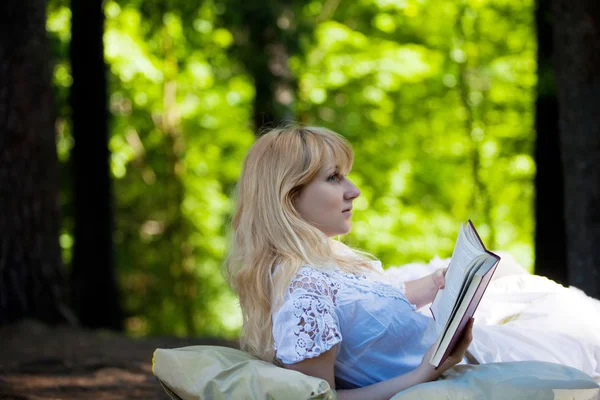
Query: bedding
column 527, row 317
column 212, row 372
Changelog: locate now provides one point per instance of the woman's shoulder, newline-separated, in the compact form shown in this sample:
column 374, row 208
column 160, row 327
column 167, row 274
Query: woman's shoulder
column 315, row 281
column 332, row 274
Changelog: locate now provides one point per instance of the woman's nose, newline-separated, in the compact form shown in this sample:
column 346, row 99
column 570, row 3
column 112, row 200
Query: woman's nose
column 352, row 192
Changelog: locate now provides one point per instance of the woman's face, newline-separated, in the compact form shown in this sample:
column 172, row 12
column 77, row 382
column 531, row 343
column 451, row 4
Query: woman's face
column 326, row 201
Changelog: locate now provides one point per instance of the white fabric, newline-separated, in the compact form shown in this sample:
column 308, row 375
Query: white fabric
column 531, row 380
column 310, row 307
column 528, row 317
column 379, row 332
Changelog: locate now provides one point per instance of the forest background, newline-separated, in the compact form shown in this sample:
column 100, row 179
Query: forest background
column 452, row 109
column 436, row 97
column 123, row 126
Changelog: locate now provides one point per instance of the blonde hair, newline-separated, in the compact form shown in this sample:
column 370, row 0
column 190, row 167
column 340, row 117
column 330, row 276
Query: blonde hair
column 268, row 231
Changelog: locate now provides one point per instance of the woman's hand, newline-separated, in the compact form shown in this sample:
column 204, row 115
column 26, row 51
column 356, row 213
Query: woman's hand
column 423, row 290
column 439, row 278
column 429, row 373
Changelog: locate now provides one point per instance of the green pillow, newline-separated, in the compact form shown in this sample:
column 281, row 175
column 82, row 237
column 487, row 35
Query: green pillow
column 212, row 372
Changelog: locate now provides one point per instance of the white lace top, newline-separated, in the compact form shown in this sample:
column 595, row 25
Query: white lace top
column 380, row 334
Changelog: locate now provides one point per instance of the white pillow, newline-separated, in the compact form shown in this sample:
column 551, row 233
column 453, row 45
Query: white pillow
column 510, row 380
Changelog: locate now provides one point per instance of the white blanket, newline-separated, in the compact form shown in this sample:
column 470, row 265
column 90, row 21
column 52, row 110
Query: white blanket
column 527, row 317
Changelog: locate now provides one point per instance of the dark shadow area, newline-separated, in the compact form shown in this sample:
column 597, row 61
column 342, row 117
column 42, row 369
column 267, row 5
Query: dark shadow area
column 43, row 362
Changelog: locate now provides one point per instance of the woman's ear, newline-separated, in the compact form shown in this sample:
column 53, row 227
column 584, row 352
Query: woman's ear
column 293, row 196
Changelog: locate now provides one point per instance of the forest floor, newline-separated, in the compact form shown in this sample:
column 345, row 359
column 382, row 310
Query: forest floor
column 42, row 362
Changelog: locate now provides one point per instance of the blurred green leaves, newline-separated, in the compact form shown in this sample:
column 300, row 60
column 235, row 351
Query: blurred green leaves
column 436, row 97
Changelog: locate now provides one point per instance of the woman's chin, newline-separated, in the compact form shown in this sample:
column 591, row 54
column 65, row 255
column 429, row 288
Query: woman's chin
column 346, row 228
column 339, row 233
column 340, row 230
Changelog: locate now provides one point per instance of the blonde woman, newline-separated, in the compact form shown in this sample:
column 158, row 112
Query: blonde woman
column 314, row 305
column 308, row 301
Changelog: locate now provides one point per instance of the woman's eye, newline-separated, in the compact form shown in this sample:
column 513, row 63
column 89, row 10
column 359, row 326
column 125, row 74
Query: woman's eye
column 334, row 178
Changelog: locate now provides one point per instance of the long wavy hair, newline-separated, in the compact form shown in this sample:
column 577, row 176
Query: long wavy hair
column 269, row 233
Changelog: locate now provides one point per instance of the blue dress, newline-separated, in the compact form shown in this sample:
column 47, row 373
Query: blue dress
column 379, row 333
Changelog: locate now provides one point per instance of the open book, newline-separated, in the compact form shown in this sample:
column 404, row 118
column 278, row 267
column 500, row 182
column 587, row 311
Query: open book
column 468, row 275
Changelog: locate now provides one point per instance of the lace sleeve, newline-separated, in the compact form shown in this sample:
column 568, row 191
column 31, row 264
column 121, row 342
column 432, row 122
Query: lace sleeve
column 306, row 325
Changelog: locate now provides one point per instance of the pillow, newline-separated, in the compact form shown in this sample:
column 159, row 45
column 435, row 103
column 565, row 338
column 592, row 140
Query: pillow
column 213, row 372
column 508, row 380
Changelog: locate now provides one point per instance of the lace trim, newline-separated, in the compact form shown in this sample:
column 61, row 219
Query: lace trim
column 314, row 300
column 315, row 282
column 317, row 330
column 372, row 284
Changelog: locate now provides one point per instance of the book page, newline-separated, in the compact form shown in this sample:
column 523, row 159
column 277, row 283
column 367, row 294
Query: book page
column 444, row 341
column 472, row 270
column 444, row 302
column 465, row 308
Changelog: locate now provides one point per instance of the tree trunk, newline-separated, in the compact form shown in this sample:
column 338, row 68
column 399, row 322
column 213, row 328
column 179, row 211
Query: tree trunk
column 94, row 290
column 550, row 236
column 577, row 66
column 266, row 37
column 31, row 280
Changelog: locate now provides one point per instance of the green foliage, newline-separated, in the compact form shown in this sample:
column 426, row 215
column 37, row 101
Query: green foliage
column 437, row 100
column 436, row 97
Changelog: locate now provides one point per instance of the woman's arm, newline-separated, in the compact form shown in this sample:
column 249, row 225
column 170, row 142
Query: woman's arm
column 322, row 367
column 422, row 291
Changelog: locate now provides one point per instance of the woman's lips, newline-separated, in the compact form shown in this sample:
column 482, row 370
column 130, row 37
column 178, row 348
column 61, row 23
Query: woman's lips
column 347, row 213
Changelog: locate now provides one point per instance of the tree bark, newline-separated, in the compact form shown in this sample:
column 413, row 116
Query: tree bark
column 31, row 278
column 266, row 37
column 550, row 236
column 577, row 66
column 94, row 290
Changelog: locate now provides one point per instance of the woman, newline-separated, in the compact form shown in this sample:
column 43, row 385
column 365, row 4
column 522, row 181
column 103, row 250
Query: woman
column 309, row 302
